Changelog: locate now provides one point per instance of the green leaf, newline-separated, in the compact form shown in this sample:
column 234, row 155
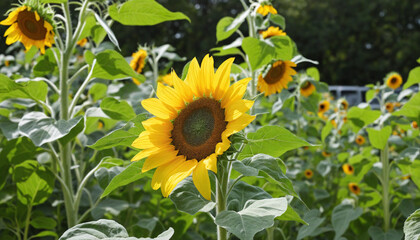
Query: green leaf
column 109, row 206
column 256, row 216
column 74, row 131
column 342, row 215
column 377, row 233
column 116, row 109
column 269, row 167
column 379, row 138
column 258, row 51
column 108, row 30
column 36, row 90
column 271, row 140
column 143, row 13
column 411, row 109
column 131, row 174
column 413, row 77
column 9, row 128
column 243, row 192
column 222, row 25
column 105, row 229
column 361, row 117
column 43, row 129
column 326, row 130
column 291, row 215
column 412, row 226
column 278, row 20
column 314, row 222
column 313, row 72
column 224, row 52
column 105, row 175
column 111, row 65
column 45, row 234
column 188, row 199
column 98, row 34
column 283, row 47
column 90, row 22
column 123, row 136
column 46, row 63
column 42, row 222
column 34, row 183
column 370, row 94
column 98, row 91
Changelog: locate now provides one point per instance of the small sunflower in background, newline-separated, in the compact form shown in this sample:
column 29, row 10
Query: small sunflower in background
column 308, row 173
column 277, row 78
column 192, row 123
column 389, row 107
column 354, row 188
column 414, row 125
column 360, row 140
column 31, row 24
column 82, row 42
column 406, row 177
column 138, row 62
column 167, row 79
column 323, row 106
column 265, row 9
column 348, row 169
column 393, row 80
column 326, row 154
column 272, row 31
column 307, row 88
column 344, row 104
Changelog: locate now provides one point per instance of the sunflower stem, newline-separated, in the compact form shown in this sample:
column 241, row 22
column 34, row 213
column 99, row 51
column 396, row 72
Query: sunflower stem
column 222, row 194
column 385, row 187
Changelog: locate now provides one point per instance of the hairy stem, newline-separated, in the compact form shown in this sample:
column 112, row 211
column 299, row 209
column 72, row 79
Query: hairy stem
column 385, row 187
column 221, row 194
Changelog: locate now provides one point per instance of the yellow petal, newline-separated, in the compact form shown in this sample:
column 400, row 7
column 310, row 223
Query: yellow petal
column 145, row 153
column 235, row 92
column 176, row 176
column 12, row 38
column 157, row 125
column 221, row 147
column 158, row 108
column 37, row 16
column 12, row 17
column 237, row 108
column 207, row 73
column 159, row 159
column 222, row 79
column 182, row 88
column 11, row 29
column 210, row 162
column 169, row 96
column 201, row 180
column 163, row 171
column 149, row 140
column 238, row 124
column 193, row 78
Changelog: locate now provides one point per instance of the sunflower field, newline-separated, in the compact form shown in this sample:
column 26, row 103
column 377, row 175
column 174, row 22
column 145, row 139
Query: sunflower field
column 244, row 143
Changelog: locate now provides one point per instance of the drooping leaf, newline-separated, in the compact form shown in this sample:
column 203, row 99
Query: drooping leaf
column 256, row 216
column 314, row 220
column 108, row 30
column 278, row 20
column 46, row 63
column 271, row 140
column 342, row 215
column 361, row 117
column 36, row 90
column 222, row 25
column 412, row 226
column 379, row 138
column 143, row 13
column 413, row 77
column 259, row 52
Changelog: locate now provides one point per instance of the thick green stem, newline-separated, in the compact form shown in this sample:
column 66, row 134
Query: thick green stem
column 221, row 194
column 298, row 130
column 385, row 187
column 28, row 220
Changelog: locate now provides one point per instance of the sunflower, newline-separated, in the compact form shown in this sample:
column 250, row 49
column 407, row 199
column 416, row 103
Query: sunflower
column 82, row 42
column 348, row 169
column 138, row 62
column 323, row 106
column 344, row 104
column 326, row 154
column 265, row 9
column 28, row 27
column 414, row 125
column 272, row 31
column 389, row 107
column 192, row 124
column 354, row 188
column 394, row 81
column 307, row 88
column 308, row 173
column 406, row 177
column 167, row 79
column 334, row 123
column 360, row 140
column 6, row 63
column 277, row 78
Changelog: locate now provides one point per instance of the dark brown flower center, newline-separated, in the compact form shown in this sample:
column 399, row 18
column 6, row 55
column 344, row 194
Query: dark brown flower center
column 198, row 128
column 393, row 80
column 355, row 188
column 322, row 106
column 306, row 85
column 275, row 73
column 350, row 169
column 30, row 27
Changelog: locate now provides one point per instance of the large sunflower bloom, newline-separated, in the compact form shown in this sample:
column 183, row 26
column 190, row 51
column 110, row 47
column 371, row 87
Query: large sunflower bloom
column 277, row 78
column 264, row 10
column 307, row 89
column 272, row 31
column 394, row 81
column 29, row 28
column 192, row 125
column 138, row 62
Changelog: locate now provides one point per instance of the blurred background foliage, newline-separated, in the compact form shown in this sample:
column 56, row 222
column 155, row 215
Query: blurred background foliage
column 356, row 41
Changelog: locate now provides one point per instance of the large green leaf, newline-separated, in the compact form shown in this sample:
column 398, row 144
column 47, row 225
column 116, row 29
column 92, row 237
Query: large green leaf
column 361, row 117
column 243, row 192
column 377, row 233
column 43, row 129
column 413, row 77
column 34, row 183
column 9, row 128
column 228, row 25
column 326, row 130
column 143, row 13
column 46, row 63
column 411, row 109
column 271, row 140
column 105, row 229
column 270, row 167
column 412, row 226
column 42, row 222
column 111, row 65
column 379, row 138
column 258, row 51
column 342, row 215
column 98, row 91
column 36, row 90
column 314, row 222
column 188, row 199
column 117, row 109
column 256, row 216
